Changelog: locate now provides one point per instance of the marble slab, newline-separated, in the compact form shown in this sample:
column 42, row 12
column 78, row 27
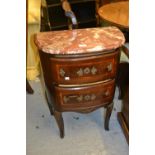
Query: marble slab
column 79, row 40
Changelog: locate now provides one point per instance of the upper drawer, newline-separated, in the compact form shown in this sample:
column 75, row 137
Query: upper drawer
column 84, row 70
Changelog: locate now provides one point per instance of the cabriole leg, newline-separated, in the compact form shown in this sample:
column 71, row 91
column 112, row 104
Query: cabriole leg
column 107, row 116
column 60, row 122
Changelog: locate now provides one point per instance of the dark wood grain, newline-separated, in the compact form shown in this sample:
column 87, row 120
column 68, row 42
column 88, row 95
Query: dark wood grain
column 123, row 116
column 83, row 70
column 70, row 99
column 83, row 91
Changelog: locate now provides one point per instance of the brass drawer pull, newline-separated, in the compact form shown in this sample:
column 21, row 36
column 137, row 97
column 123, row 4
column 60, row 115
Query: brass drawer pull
column 109, row 67
column 80, row 98
column 86, row 70
column 93, row 97
column 80, row 72
column 62, row 72
column 87, row 97
column 107, row 93
column 93, row 70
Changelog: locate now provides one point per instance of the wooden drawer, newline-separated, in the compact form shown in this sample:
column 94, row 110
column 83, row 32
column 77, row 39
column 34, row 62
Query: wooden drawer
column 72, row 98
column 84, row 70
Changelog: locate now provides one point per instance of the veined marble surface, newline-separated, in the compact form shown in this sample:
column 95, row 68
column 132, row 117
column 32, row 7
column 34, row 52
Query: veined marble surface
column 79, row 40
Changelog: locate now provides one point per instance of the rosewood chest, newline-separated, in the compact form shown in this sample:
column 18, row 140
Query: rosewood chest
column 80, row 68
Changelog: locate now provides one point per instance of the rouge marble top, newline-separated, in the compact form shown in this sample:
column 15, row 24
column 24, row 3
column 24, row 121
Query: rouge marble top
column 79, row 40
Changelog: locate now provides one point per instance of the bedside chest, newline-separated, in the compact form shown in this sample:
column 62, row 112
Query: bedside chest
column 80, row 68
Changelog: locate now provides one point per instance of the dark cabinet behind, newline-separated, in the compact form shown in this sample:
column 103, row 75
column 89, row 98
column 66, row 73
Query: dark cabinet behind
column 85, row 12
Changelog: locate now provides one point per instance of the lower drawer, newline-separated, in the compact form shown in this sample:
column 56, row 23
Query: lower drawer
column 74, row 98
